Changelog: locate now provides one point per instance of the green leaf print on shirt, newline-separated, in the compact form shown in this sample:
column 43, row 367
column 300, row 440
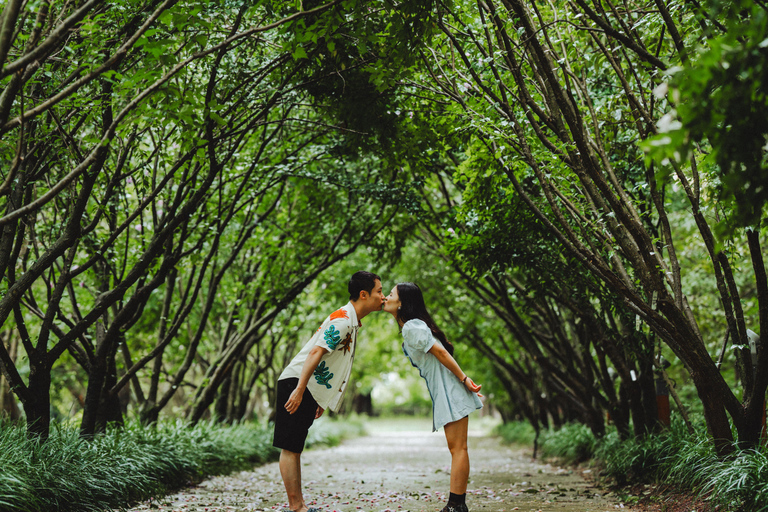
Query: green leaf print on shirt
column 332, row 337
column 323, row 375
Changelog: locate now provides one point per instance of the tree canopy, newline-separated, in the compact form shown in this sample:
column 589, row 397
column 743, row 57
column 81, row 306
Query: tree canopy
column 579, row 184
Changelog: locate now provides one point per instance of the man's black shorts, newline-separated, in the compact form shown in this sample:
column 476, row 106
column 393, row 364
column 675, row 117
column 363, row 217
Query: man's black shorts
column 291, row 429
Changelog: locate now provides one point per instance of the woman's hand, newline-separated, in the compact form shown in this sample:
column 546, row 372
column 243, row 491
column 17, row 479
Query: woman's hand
column 475, row 388
column 319, row 412
column 294, row 401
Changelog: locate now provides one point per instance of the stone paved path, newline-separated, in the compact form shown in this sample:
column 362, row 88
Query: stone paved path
column 400, row 471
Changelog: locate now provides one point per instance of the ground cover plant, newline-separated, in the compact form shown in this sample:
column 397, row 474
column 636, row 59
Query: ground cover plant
column 515, row 432
column 677, row 457
column 132, row 463
column 327, row 431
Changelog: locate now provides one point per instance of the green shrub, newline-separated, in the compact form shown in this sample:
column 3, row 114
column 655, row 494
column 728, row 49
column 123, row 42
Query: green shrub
column 640, row 460
column 135, row 462
column 738, row 482
column 689, row 462
column 121, row 466
column 572, row 443
column 329, row 431
column 516, row 432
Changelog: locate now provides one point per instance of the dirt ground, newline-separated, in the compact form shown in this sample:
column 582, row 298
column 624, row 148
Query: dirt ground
column 665, row 498
column 402, row 468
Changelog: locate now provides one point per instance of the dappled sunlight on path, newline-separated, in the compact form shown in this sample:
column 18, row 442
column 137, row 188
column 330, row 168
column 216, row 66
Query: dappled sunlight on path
column 394, row 470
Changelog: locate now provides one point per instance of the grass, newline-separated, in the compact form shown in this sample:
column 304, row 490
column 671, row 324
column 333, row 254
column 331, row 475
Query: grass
column 641, row 460
column 573, row 443
column 737, row 482
column 133, row 463
column 516, row 432
column 688, row 461
column 327, row 431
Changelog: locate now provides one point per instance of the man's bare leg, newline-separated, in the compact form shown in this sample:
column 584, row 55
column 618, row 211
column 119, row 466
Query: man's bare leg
column 290, row 470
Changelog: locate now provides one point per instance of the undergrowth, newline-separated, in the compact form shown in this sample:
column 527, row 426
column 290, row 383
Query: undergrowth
column 738, row 482
column 133, row 463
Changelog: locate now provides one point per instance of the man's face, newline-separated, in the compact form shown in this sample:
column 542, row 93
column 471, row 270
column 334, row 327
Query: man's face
column 376, row 298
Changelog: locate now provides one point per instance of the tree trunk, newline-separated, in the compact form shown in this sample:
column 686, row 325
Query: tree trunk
column 750, row 433
column 221, row 404
column 96, row 378
column 648, row 393
column 543, row 416
column 717, row 419
column 110, row 409
column 363, row 404
column 149, row 413
column 594, row 419
column 208, row 395
column 233, row 395
column 8, row 405
column 38, row 407
column 620, row 413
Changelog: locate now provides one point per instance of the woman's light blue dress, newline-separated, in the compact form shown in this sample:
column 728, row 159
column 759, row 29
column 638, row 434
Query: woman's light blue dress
column 451, row 400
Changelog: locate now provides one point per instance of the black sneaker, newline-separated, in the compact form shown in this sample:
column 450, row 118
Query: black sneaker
column 455, row 508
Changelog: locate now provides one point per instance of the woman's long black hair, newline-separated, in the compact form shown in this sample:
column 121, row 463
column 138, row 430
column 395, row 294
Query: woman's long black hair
column 412, row 306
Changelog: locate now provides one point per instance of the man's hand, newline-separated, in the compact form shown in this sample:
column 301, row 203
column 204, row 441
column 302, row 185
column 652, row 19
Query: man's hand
column 319, row 412
column 294, row 401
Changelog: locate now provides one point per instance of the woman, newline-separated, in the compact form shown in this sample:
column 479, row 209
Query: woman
column 453, row 393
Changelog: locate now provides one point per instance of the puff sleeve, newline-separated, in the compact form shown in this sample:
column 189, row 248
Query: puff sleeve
column 417, row 336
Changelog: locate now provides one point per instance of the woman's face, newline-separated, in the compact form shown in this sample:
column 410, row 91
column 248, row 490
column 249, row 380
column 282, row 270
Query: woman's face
column 392, row 303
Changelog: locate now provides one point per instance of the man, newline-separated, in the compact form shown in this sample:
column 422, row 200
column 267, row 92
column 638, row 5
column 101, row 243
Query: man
column 316, row 378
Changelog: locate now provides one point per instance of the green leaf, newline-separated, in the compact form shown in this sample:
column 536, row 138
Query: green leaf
column 299, row 53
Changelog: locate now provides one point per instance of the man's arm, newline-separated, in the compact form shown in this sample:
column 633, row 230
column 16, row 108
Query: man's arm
column 313, row 359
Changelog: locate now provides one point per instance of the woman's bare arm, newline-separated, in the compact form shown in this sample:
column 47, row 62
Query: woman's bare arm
column 449, row 362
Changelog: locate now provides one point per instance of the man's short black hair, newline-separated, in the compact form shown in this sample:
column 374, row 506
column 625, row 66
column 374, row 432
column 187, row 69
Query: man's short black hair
column 361, row 280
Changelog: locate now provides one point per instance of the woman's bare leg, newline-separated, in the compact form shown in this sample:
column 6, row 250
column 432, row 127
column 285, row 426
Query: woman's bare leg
column 456, row 435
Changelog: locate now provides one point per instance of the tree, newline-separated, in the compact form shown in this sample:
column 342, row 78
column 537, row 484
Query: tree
column 129, row 160
column 565, row 332
column 557, row 94
column 720, row 103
